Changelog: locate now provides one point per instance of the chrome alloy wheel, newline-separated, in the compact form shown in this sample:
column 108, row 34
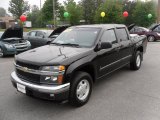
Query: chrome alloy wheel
column 83, row 89
column 151, row 38
column 138, row 61
column 1, row 52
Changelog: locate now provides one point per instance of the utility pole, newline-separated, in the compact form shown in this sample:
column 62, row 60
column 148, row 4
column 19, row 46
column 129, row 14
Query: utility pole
column 158, row 12
column 54, row 13
column 40, row 4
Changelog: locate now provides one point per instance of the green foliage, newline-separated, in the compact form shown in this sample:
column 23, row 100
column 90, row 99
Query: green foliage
column 129, row 6
column 141, row 11
column 2, row 12
column 89, row 7
column 18, row 7
column 47, row 10
column 90, row 10
column 74, row 10
column 113, row 10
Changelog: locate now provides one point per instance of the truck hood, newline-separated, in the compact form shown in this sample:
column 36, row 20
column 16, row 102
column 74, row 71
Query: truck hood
column 13, row 32
column 53, row 55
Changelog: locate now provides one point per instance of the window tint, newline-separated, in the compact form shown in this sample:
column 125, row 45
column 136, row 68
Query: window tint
column 109, row 36
column 122, row 34
column 32, row 34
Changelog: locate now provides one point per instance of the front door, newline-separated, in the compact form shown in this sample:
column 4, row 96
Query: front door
column 108, row 59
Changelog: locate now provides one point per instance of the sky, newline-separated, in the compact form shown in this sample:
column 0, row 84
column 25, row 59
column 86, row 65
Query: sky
column 5, row 3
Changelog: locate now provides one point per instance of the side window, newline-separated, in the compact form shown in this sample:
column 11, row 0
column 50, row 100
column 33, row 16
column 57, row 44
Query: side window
column 109, row 36
column 39, row 34
column 133, row 30
column 157, row 29
column 122, row 34
column 32, row 34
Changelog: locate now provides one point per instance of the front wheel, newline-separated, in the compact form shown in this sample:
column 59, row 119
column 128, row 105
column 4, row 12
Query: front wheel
column 136, row 62
column 151, row 38
column 81, row 88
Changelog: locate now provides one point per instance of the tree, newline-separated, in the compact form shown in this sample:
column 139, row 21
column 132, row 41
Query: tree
column 129, row 6
column 35, row 16
column 89, row 8
column 141, row 11
column 74, row 10
column 113, row 10
column 35, row 8
column 2, row 12
column 18, row 7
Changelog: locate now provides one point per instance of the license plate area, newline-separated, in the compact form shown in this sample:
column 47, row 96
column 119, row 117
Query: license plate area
column 21, row 88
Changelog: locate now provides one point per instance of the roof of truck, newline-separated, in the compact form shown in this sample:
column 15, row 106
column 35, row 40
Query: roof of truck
column 104, row 26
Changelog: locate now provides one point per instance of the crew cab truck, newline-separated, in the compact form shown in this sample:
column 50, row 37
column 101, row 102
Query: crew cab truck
column 77, row 58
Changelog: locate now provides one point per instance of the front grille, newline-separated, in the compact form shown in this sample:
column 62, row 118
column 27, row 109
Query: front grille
column 34, row 78
column 30, row 66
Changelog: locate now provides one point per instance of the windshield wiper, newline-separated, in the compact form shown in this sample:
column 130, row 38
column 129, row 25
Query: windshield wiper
column 71, row 44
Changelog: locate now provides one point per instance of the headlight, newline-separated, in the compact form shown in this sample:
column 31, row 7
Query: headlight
column 158, row 34
column 28, row 43
column 56, row 77
column 8, row 46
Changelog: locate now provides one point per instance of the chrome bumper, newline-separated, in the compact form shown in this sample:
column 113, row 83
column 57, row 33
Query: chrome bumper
column 51, row 89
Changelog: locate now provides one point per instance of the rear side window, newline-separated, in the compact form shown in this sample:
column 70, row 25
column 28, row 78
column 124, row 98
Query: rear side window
column 122, row 34
column 109, row 36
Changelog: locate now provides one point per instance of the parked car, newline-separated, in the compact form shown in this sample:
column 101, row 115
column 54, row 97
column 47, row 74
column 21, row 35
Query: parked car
column 153, row 33
column 12, row 42
column 39, row 38
column 77, row 58
column 139, row 30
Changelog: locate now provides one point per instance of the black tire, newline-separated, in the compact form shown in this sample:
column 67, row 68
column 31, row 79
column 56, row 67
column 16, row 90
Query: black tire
column 136, row 61
column 1, row 52
column 151, row 38
column 74, row 99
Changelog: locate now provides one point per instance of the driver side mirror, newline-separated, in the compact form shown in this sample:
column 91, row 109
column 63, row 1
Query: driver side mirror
column 106, row 45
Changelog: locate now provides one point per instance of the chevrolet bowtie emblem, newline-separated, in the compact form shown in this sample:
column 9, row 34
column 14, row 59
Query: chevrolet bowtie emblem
column 25, row 68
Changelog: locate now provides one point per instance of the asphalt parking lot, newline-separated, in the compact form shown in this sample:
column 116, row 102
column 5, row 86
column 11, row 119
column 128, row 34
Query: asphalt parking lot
column 123, row 95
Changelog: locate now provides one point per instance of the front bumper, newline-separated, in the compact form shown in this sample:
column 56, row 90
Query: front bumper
column 56, row 92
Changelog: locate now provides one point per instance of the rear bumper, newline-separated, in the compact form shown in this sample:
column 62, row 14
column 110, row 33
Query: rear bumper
column 57, row 92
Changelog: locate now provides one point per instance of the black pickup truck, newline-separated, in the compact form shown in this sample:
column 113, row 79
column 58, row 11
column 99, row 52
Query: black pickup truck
column 78, row 57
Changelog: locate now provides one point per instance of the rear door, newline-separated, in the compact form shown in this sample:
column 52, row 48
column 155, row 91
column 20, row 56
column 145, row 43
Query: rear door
column 108, row 59
column 126, row 50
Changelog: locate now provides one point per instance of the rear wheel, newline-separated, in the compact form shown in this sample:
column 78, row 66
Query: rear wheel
column 81, row 88
column 136, row 62
column 151, row 38
column 1, row 52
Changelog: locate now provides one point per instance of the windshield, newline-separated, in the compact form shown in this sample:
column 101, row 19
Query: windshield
column 83, row 37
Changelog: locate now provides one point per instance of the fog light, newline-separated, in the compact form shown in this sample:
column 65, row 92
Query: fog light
column 54, row 79
column 51, row 78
